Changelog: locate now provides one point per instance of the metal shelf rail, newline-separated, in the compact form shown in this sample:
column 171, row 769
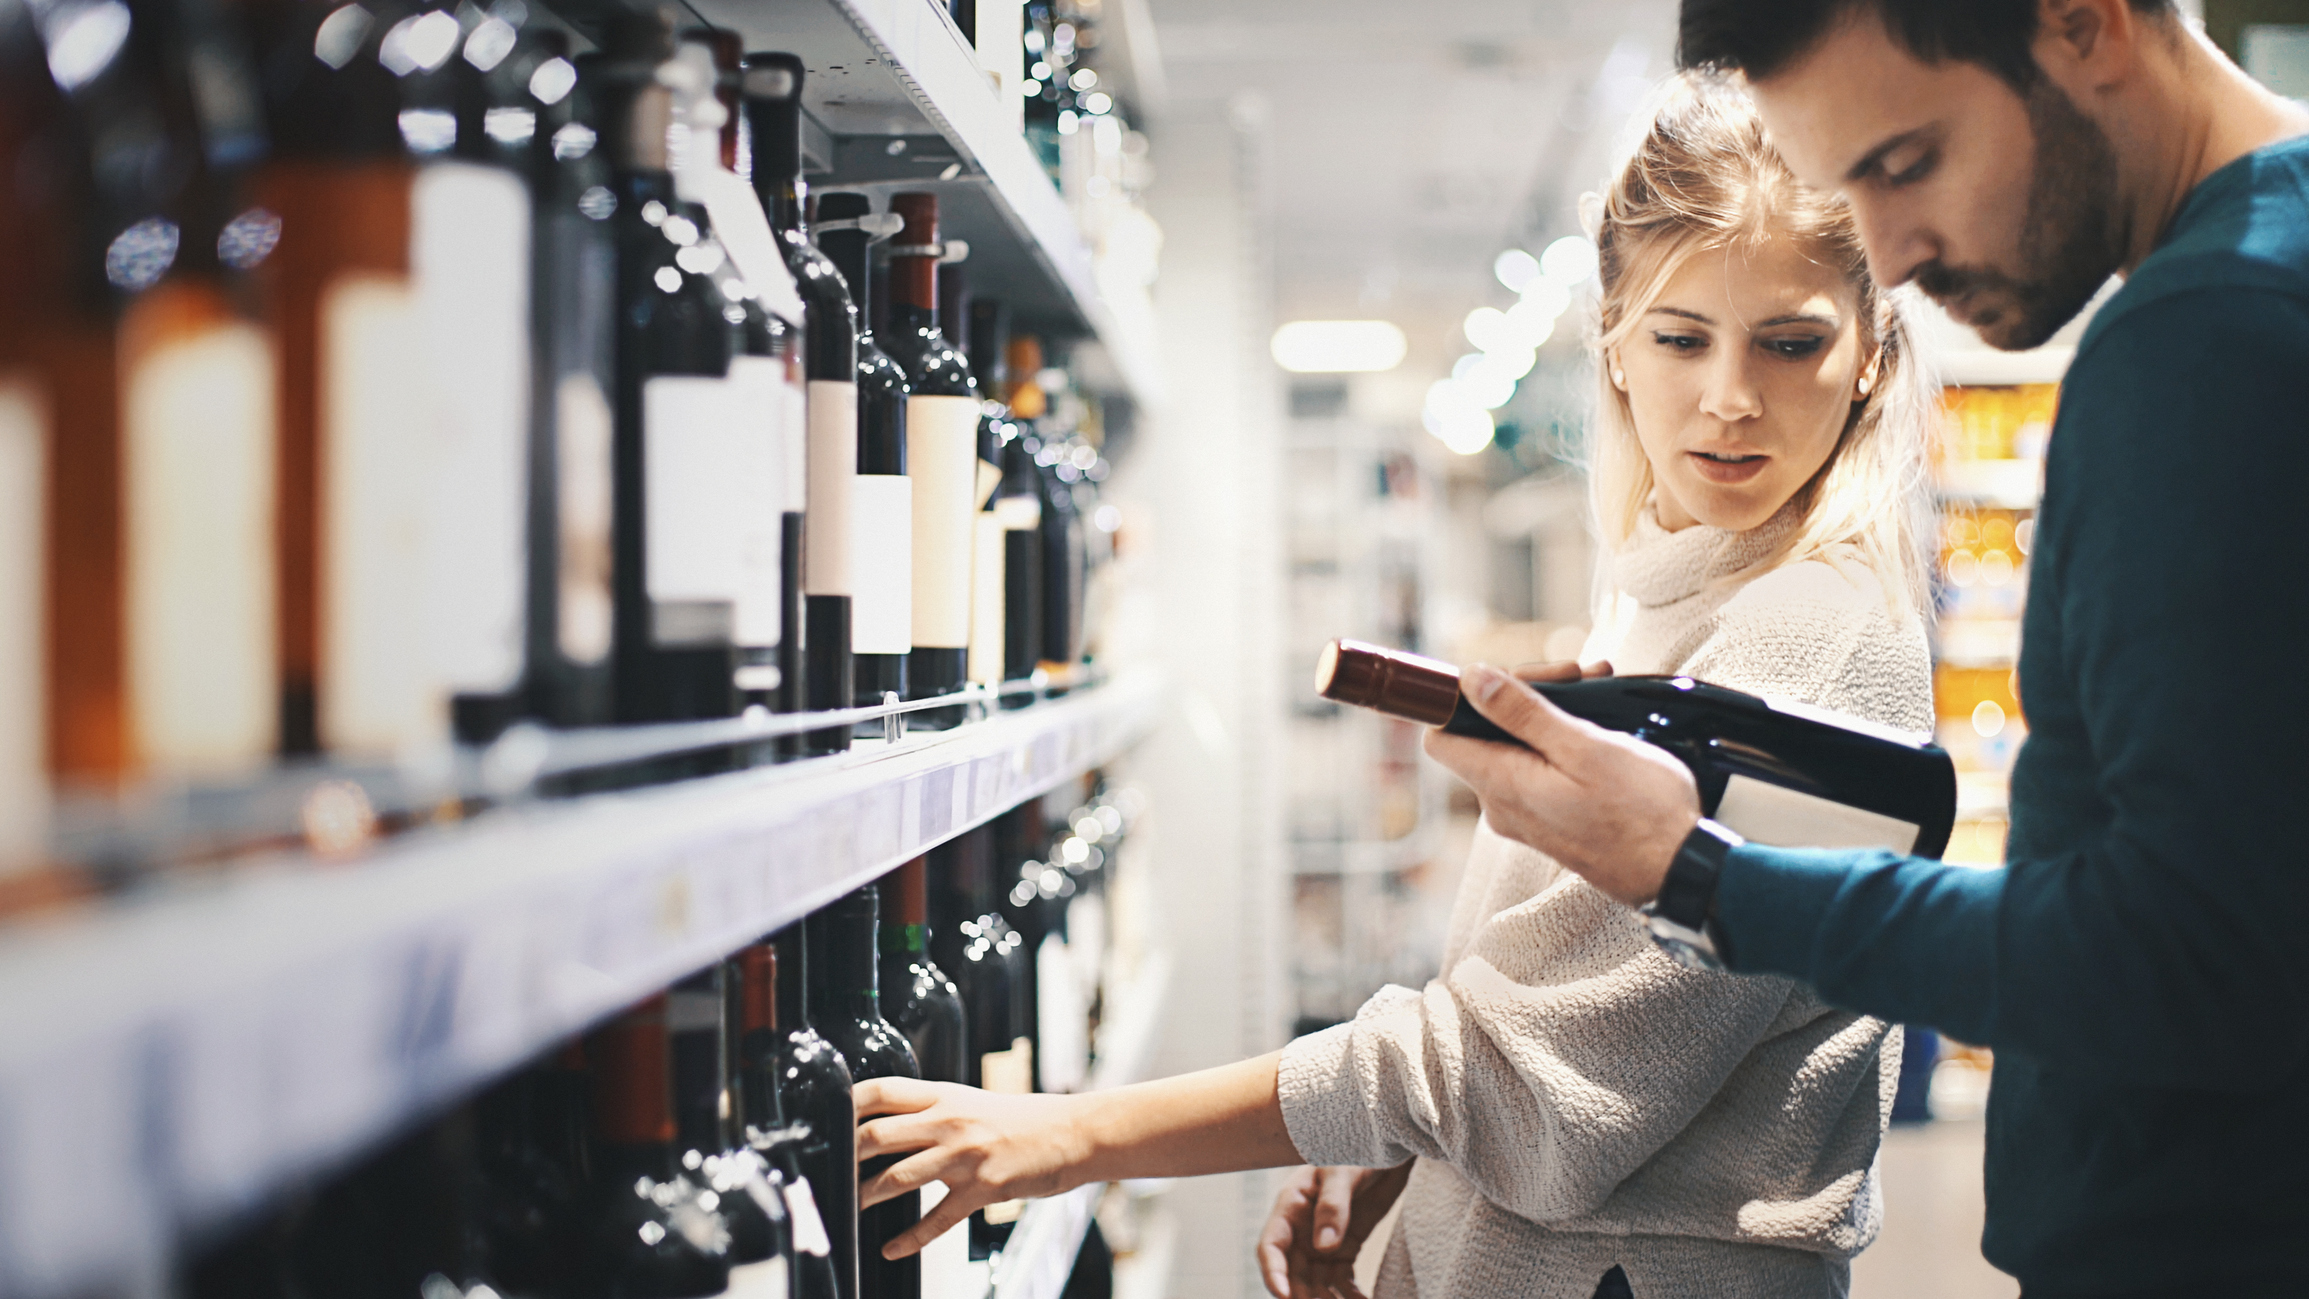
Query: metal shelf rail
column 170, row 1059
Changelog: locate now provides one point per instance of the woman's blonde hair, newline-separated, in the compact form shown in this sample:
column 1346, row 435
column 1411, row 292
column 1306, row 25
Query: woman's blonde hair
column 1704, row 178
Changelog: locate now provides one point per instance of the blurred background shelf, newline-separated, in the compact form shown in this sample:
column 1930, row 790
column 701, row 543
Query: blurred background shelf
column 195, row 1045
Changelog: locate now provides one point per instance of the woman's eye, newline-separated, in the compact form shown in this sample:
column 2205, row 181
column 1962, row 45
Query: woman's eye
column 1914, row 171
column 1794, row 348
column 1680, row 342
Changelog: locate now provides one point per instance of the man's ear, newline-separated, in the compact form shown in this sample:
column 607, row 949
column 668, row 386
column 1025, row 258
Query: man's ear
column 2089, row 44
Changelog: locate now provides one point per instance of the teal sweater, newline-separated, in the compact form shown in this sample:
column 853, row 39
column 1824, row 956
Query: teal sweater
column 2139, row 965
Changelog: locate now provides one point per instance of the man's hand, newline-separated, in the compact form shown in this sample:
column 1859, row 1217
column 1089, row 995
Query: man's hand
column 1608, row 806
column 1320, row 1221
column 985, row 1146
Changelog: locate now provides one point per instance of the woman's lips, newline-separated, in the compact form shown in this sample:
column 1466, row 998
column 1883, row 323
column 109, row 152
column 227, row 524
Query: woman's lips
column 1725, row 467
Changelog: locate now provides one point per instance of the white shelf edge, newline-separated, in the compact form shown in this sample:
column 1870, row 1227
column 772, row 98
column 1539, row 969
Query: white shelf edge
column 193, row 1052
column 941, row 71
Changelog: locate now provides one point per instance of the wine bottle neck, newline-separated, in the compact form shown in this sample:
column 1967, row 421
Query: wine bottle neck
column 793, row 989
column 903, row 942
column 914, row 285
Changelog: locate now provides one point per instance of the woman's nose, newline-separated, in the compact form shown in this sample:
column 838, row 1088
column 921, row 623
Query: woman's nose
column 1730, row 394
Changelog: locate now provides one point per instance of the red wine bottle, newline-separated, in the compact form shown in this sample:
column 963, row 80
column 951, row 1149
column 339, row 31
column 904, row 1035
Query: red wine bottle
column 971, row 940
column 760, row 1063
column 882, row 501
column 1774, row 770
column 942, row 441
column 647, row 1232
column 675, row 656
column 813, row 1083
column 917, row 996
column 849, row 1013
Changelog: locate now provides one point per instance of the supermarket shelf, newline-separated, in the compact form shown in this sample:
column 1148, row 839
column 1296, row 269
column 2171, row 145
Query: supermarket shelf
column 191, row 1048
column 904, row 102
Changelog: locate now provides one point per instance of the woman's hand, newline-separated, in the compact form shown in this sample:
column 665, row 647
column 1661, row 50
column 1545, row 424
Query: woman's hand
column 986, row 1147
column 1318, row 1226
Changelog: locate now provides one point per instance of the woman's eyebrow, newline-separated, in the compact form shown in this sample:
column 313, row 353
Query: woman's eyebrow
column 1798, row 318
column 1680, row 314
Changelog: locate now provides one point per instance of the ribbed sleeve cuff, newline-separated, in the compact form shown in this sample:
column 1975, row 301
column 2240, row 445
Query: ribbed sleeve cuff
column 1323, row 1109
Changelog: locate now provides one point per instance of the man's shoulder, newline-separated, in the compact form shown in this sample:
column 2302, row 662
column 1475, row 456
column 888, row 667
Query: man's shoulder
column 2244, row 238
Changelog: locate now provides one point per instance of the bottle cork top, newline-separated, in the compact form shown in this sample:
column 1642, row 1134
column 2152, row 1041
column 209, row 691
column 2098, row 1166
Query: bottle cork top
column 1394, row 682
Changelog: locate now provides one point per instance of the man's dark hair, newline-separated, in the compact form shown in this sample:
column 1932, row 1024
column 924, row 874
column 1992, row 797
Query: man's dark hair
column 1762, row 37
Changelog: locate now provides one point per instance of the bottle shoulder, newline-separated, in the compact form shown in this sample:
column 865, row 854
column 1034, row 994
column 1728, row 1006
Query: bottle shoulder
column 877, row 372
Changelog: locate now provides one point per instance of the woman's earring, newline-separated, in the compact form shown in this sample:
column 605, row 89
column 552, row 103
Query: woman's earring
column 1865, row 384
column 1619, row 379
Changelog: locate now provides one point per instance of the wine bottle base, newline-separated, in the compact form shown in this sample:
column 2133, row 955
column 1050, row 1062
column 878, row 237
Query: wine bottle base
column 931, row 673
column 879, row 675
column 828, row 665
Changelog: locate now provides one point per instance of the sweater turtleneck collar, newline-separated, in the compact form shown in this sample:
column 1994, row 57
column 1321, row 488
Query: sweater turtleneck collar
column 1659, row 567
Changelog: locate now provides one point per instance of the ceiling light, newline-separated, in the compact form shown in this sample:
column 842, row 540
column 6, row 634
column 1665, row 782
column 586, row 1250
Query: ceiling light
column 1338, row 346
column 1570, row 259
column 1515, row 268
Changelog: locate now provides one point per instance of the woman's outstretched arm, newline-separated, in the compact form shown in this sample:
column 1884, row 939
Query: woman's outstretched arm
column 988, row 1147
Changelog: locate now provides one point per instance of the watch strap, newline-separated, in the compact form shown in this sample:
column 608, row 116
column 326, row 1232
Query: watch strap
column 1681, row 918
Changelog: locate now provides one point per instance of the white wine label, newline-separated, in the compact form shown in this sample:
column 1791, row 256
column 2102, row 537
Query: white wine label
column 794, row 444
column 690, row 499
column 763, row 1280
column 197, row 446
column 1062, row 1017
column 1019, row 513
column 1005, row 1212
column 469, row 261
column 946, row 1260
column 583, row 438
column 989, row 478
column 986, row 600
column 942, row 455
column 809, row 1229
column 758, row 387
column 23, row 692
column 882, row 564
column 1009, row 1072
column 833, row 456
column 1786, row 818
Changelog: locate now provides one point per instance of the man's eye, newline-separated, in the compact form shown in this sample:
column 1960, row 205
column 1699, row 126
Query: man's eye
column 1794, row 348
column 1680, row 342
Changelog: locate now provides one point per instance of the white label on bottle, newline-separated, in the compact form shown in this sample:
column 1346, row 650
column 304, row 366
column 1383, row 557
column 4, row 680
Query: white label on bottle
column 197, row 444
column 763, row 1280
column 583, row 440
column 989, row 478
column 794, row 445
column 833, row 459
column 1766, row 813
column 469, row 259
column 1019, row 513
column 809, row 1229
column 882, row 564
column 1009, row 1072
column 942, row 455
column 378, row 692
column 946, row 1260
column 23, row 694
column 691, row 537
column 1062, row 1017
column 758, row 385
column 987, row 600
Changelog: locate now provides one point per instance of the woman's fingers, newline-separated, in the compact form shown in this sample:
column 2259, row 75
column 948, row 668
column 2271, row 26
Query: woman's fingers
column 1334, row 1206
column 908, row 1175
column 900, row 1133
column 894, row 1096
column 1558, row 670
column 1282, row 1239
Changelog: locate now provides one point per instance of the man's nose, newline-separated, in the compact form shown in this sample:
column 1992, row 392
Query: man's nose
column 1897, row 245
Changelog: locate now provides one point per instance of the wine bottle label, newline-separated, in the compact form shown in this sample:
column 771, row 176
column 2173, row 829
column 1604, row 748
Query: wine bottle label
column 763, row 1280
column 1062, row 1016
column 691, row 503
column 1005, row 1212
column 469, row 259
column 1019, row 514
column 197, row 448
column 942, row 457
column 833, row 467
column 794, row 440
column 1786, row 818
column 809, row 1228
column 378, row 692
column 882, row 564
column 583, row 438
column 23, row 456
column 1009, row 1072
column 987, row 600
column 758, row 385
column 989, row 479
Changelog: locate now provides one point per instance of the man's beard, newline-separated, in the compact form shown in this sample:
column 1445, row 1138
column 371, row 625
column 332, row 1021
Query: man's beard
column 2068, row 240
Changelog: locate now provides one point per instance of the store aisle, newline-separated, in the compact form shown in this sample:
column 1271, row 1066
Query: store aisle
column 1930, row 1248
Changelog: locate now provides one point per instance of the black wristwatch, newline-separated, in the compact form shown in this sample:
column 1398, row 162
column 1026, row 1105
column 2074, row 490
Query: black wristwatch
column 1682, row 917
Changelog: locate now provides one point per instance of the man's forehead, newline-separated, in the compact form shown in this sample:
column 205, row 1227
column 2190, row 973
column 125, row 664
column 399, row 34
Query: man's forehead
column 1848, row 95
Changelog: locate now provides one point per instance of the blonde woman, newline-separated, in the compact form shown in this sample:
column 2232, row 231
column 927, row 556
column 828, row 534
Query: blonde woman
column 1566, row 1112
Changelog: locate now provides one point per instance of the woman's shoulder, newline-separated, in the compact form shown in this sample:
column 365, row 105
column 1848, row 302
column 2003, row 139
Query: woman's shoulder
column 1825, row 631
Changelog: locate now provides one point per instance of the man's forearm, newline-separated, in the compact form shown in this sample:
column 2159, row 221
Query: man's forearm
column 1222, row 1120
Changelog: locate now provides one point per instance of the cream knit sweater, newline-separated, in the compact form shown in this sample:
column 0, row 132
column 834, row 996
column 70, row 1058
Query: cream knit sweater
column 1575, row 1099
